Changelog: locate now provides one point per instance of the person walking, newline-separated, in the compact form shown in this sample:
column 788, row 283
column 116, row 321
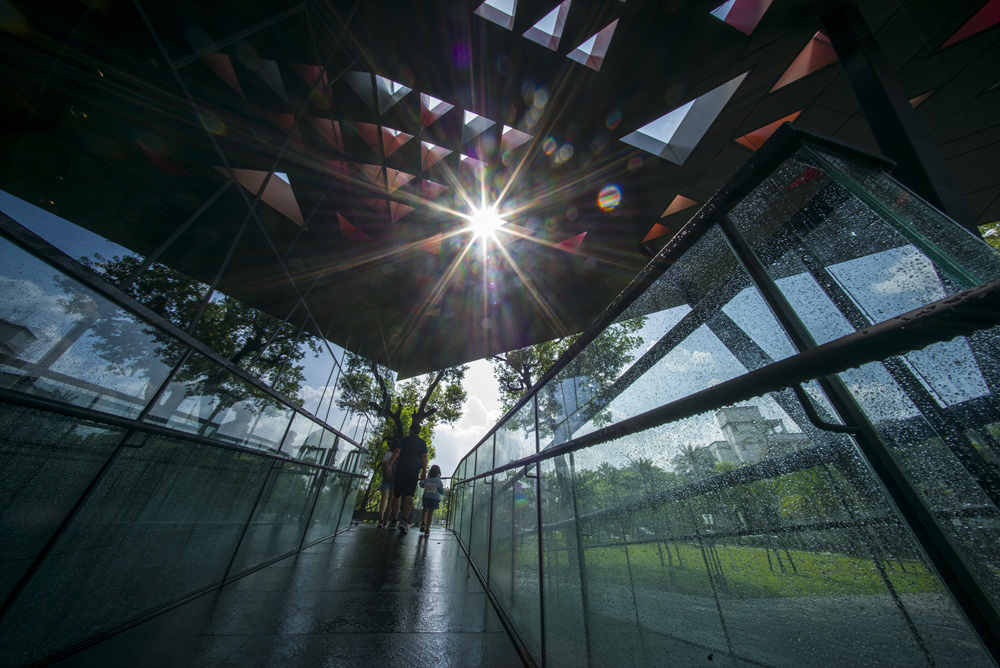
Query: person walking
column 433, row 489
column 385, row 503
column 410, row 461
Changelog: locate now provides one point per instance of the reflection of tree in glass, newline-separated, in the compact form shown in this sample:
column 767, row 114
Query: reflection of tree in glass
column 431, row 400
column 259, row 343
column 589, row 378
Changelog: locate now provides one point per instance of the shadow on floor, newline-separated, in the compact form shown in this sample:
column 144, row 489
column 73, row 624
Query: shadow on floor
column 366, row 598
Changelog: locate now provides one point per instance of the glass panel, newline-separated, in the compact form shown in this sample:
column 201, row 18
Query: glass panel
column 484, row 456
column 935, row 234
column 48, row 461
column 280, row 518
column 88, row 248
column 839, row 263
column 468, row 503
column 352, row 497
column 163, row 290
column 206, row 399
column 943, row 425
column 699, row 324
column 501, row 560
column 63, row 341
column 304, row 440
column 480, row 538
column 744, row 518
column 516, row 438
column 326, row 516
column 525, row 609
column 309, row 372
column 163, row 523
column 566, row 638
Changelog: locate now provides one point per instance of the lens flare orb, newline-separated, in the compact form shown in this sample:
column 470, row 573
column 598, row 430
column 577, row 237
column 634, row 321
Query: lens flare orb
column 610, row 197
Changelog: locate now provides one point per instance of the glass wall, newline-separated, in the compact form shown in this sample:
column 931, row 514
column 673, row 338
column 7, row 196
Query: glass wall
column 702, row 493
column 142, row 465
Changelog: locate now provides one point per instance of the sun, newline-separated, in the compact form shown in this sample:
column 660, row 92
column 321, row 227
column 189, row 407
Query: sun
column 484, row 222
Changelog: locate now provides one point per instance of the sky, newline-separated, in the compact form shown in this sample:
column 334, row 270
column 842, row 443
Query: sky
column 482, row 410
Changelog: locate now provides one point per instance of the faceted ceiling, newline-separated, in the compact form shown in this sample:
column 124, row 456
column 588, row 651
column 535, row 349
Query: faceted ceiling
column 334, row 152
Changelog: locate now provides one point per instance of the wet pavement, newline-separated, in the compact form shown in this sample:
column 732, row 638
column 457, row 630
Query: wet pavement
column 366, row 598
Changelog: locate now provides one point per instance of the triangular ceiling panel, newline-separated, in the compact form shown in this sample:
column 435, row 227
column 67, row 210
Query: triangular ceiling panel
column 162, row 162
column 754, row 140
column 277, row 193
column 920, row 99
column 817, row 54
column 372, row 172
column 269, row 73
column 361, row 83
column 431, row 190
column 471, row 163
column 393, row 140
column 222, row 66
column 389, row 93
column 678, row 204
column 474, row 125
column 329, row 130
column 572, row 244
column 337, row 167
column 987, row 17
column 744, row 15
column 548, row 31
column 500, row 12
column 432, row 109
column 674, row 136
column 592, row 52
column 316, row 78
column 398, row 210
column 656, row 231
column 430, row 155
column 511, row 139
column 369, row 133
column 432, row 245
column 397, row 179
column 351, row 231
column 379, row 206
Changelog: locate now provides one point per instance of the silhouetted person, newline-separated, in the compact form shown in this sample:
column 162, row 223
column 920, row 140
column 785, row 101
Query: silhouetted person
column 385, row 503
column 433, row 489
column 411, row 453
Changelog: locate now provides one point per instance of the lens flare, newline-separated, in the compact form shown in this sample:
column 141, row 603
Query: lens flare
column 485, row 222
column 610, row 197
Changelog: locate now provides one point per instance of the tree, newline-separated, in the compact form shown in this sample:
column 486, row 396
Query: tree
column 429, row 401
column 263, row 345
column 591, row 375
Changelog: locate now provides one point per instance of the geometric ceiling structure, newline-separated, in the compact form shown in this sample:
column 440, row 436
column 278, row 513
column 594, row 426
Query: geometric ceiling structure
column 548, row 31
column 370, row 130
column 744, row 15
column 675, row 135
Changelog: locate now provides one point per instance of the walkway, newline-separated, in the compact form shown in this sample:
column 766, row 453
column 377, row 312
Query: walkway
column 365, row 598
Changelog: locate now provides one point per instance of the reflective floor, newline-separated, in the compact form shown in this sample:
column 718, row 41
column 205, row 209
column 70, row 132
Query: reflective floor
column 366, row 598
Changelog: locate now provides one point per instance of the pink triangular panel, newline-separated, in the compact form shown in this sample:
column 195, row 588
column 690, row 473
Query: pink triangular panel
column 658, row 230
column 369, row 133
column 378, row 205
column 432, row 190
column 398, row 210
column 313, row 75
column 920, row 99
column 432, row 245
column 572, row 244
column 222, row 66
column 679, row 203
column 987, row 17
column 351, row 231
column 338, row 167
column 472, row 163
column 754, row 140
column 807, row 176
column 162, row 162
column 397, row 179
column 392, row 140
column 269, row 73
column 372, row 172
column 430, row 154
column 817, row 54
column 329, row 129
